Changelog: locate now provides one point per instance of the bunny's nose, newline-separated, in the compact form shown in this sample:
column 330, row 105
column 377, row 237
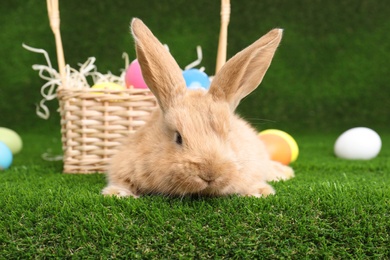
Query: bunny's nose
column 208, row 177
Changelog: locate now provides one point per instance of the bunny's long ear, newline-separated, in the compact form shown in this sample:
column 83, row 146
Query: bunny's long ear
column 245, row 71
column 161, row 72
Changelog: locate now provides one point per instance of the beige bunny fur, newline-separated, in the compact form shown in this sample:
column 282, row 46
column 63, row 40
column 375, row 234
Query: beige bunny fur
column 194, row 143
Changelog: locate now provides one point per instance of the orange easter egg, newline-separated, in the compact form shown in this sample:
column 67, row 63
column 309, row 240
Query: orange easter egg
column 280, row 146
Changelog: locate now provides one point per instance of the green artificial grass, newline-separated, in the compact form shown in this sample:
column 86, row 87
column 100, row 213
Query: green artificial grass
column 333, row 209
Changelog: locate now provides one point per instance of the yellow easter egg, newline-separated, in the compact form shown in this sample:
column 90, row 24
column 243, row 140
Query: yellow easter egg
column 11, row 139
column 107, row 85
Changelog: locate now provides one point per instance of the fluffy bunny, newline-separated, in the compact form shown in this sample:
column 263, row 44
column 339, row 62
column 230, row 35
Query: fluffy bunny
column 194, row 143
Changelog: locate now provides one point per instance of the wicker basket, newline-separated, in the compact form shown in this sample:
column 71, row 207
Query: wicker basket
column 95, row 122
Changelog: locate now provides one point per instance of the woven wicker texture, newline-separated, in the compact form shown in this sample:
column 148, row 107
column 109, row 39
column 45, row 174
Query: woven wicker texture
column 95, row 122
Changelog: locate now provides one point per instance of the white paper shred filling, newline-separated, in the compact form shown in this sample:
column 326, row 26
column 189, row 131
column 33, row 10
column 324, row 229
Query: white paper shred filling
column 75, row 78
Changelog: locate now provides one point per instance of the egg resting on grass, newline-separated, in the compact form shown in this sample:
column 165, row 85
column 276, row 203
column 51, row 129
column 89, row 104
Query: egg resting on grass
column 11, row 139
column 359, row 143
column 280, row 146
column 5, row 156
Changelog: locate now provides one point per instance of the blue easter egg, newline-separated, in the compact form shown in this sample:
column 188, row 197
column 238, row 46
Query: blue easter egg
column 196, row 79
column 5, row 156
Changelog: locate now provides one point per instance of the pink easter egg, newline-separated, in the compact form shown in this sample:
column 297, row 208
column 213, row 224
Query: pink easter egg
column 133, row 76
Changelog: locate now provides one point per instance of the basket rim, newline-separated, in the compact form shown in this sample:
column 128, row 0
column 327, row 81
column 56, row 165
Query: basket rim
column 102, row 95
column 105, row 90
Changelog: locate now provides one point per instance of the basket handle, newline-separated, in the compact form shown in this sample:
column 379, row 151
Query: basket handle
column 54, row 18
column 222, row 45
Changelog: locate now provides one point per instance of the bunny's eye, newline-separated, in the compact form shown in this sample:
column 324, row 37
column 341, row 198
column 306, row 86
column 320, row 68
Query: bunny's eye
column 178, row 138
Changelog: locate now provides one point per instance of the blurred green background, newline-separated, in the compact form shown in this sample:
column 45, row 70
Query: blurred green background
column 330, row 73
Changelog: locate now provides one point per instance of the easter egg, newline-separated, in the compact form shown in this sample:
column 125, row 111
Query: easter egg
column 359, row 143
column 196, row 79
column 5, row 156
column 11, row 139
column 133, row 76
column 108, row 85
column 280, row 146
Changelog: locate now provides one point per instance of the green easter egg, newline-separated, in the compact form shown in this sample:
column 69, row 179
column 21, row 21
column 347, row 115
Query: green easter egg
column 11, row 139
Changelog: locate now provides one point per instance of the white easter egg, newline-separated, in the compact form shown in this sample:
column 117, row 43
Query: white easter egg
column 359, row 143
